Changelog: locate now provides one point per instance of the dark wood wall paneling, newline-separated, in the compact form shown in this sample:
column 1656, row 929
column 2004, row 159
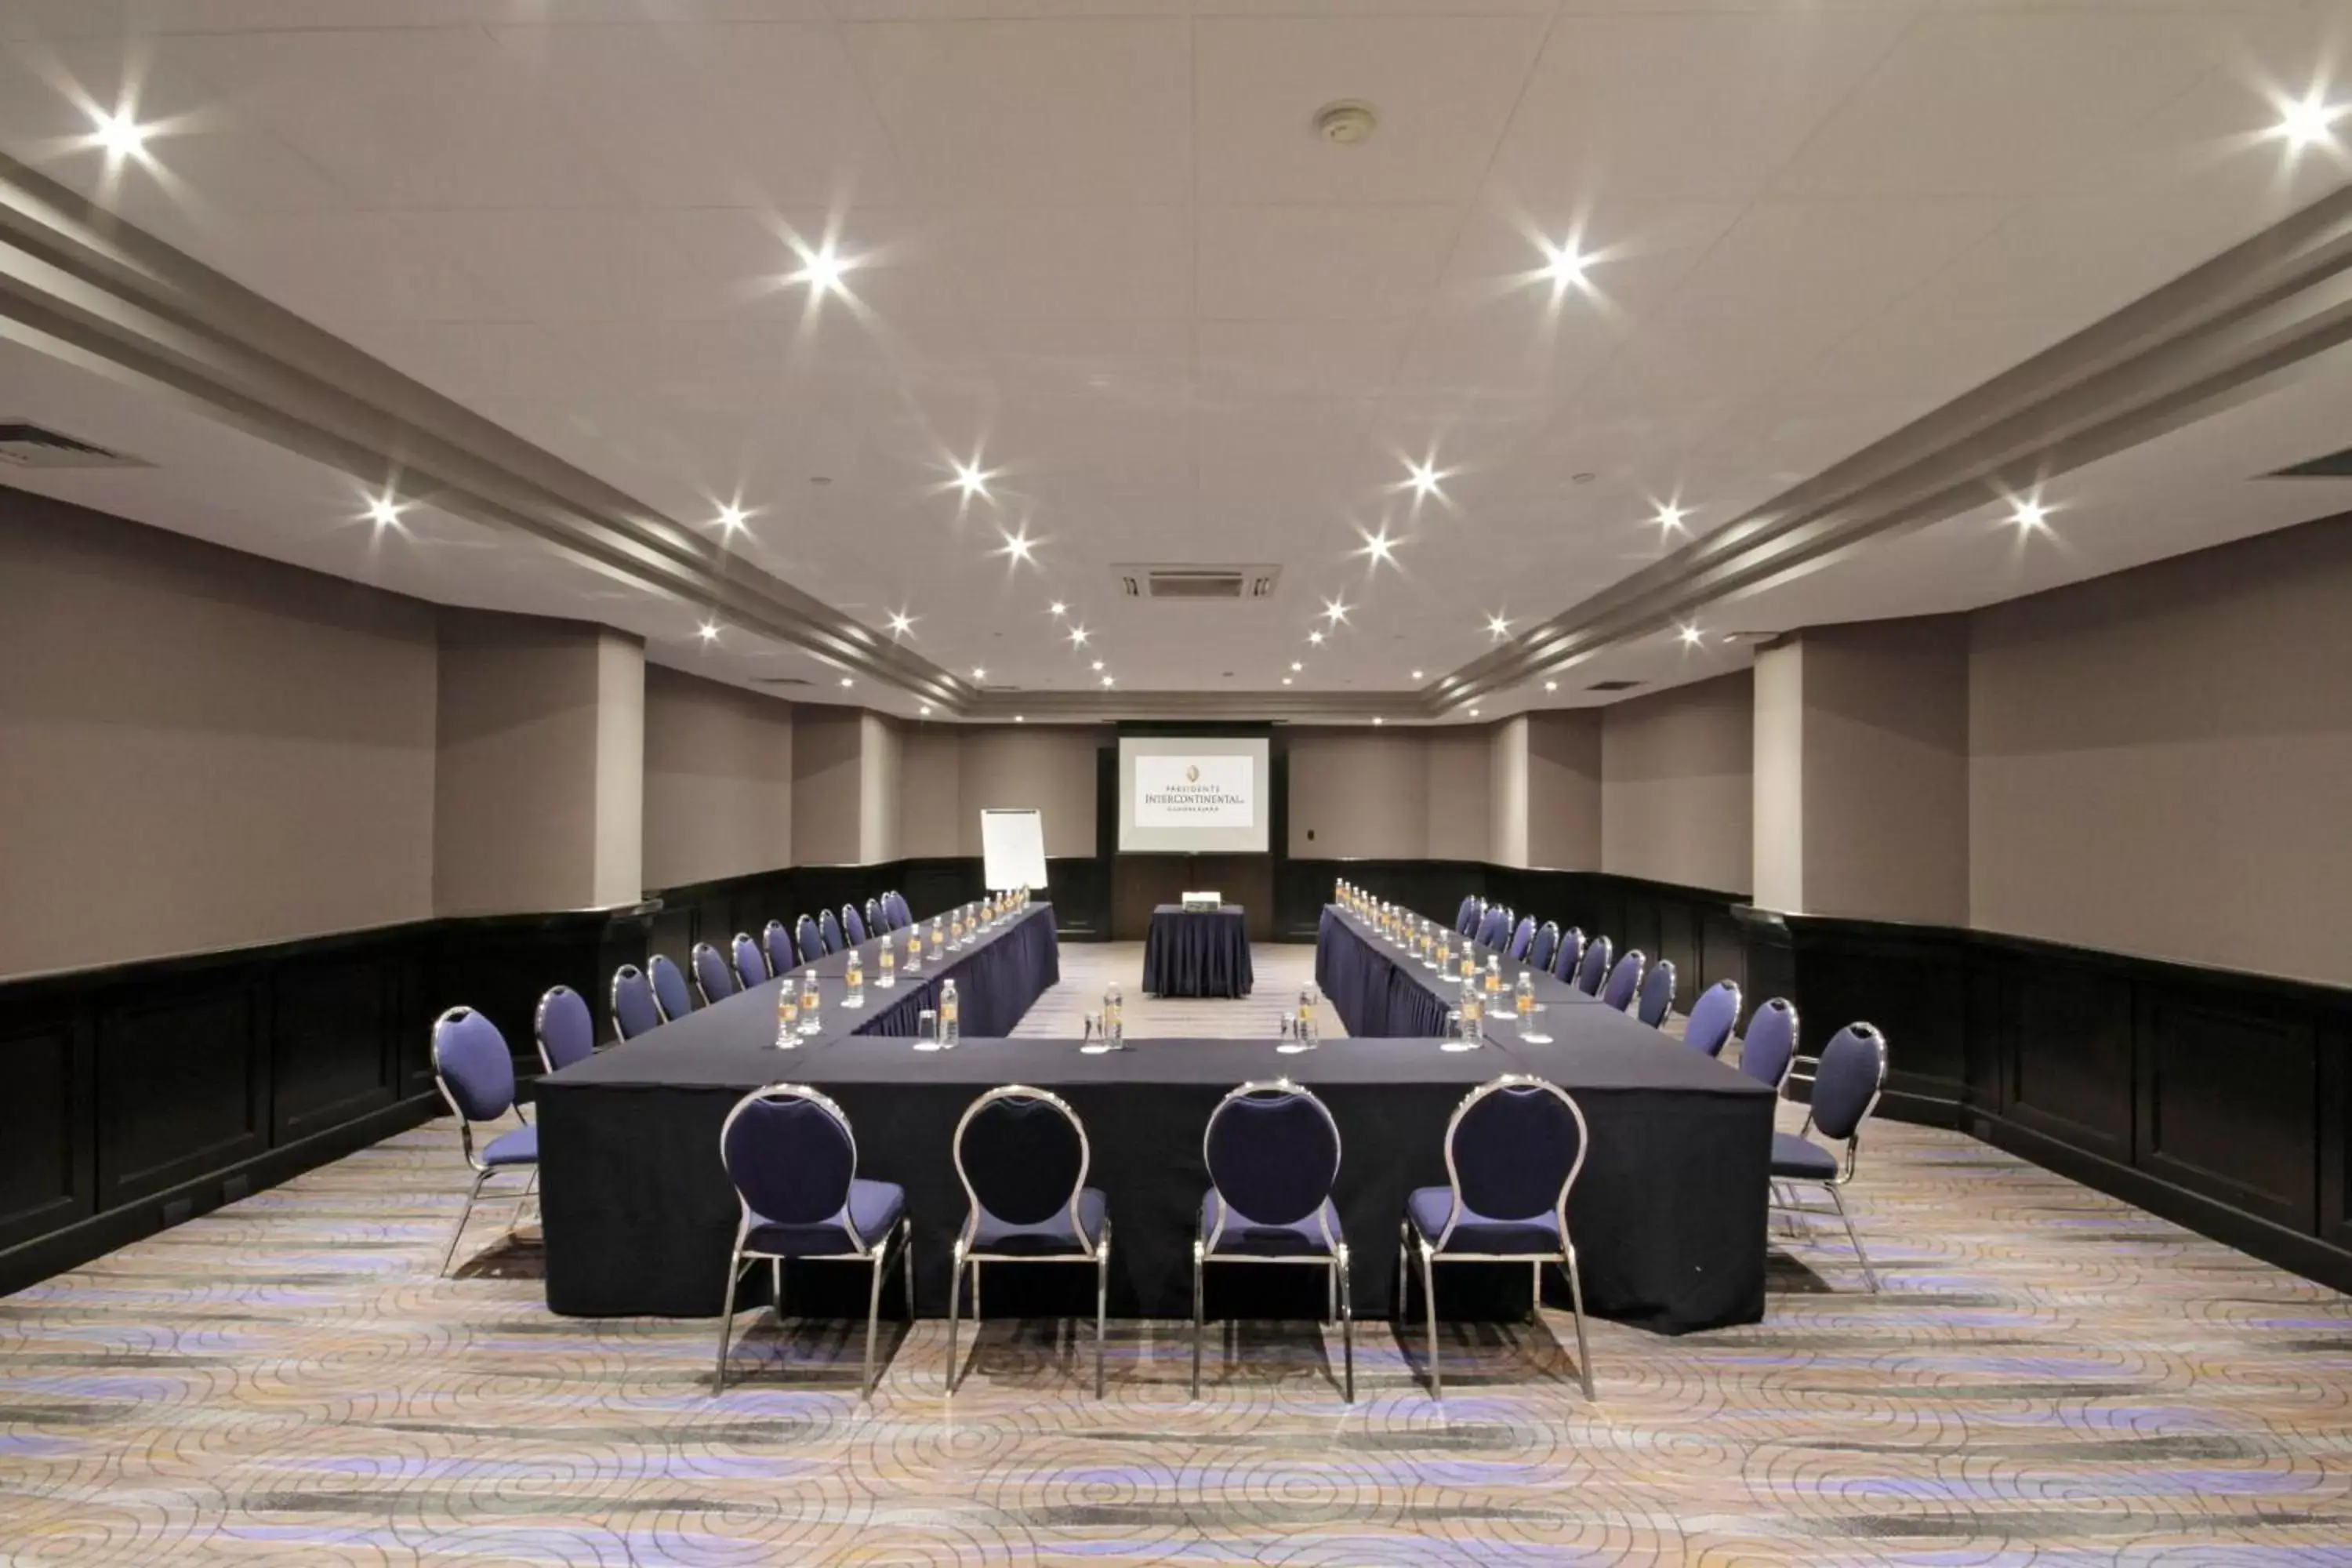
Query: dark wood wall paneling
column 2218, row 1100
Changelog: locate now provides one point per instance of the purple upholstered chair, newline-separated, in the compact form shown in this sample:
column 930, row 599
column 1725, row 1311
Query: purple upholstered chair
column 635, row 1010
column 812, row 942
column 712, row 975
column 901, row 917
column 1521, row 936
column 853, row 926
column 828, row 932
column 669, row 988
column 1593, row 968
column 877, row 922
column 1657, row 993
column 1624, row 981
column 793, row 1161
column 1570, row 954
column 778, row 944
column 1494, row 926
column 565, row 1029
column 1273, row 1154
column 1769, row 1049
column 1712, row 1018
column 1467, row 918
column 1545, row 947
column 1847, row 1082
column 750, row 963
column 1022, row 1156
column 475, row 1073
column 1513, row 1150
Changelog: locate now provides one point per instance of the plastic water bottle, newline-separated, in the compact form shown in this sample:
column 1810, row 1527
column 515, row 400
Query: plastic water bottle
column 938, row 940
column 1114, row 1018
column 950, row 1016
column 812, row 1001
column 915, row 951
column 1310, row 1030
column 1494, row 975
column 788, row 1017
column 887, row 961
column 1474, row 1012
column 856, row 977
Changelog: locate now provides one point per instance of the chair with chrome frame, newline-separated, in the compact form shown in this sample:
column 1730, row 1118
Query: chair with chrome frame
column 1657, row 994
column 751, row 963
column 1624, row 980
column 1546, row 945
column 1513, row 1150
column 828, row 932
column 777, row 939
column 564, row 1028
column 669, row 987
column 901, row 917
column 1273, row 1154
column 1593, row 968
column 1022, row 1156
column 475, row 1073
column 1521, row 935
column 635, row 1009
column 1712, row 1018
column 1494, row 926
column 1847, row 1082
column 1570, row 954
column 1768, row 1051
column 878, row 924
column 712, row 975
column 793, row 1160
column 812, row 944
column 853, row 926
column 1467, row 918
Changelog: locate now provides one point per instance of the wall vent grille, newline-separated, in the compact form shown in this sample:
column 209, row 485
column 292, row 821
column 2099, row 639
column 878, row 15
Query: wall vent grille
column 1194, row 581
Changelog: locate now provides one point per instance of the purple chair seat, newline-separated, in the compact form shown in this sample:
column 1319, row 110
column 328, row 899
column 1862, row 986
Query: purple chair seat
column 517, row 1147
column 1428, row 1208
column 1247, row 1238
column 1048, row 1237
column 873, row 1207
column 1802, row 1158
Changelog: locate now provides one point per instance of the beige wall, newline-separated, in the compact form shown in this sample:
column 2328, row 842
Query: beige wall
column 1362, row 793
column 931, row 785
column 877, row 789
column 1461, row 797
column 200, row 749
column 2158, row 759
column 1506, row 792
column 719, row 780
column 619, row 876
column 1045, row 766
column 1563, row 789
column 828, row 791
column 1777, row 793
column 1675, row 784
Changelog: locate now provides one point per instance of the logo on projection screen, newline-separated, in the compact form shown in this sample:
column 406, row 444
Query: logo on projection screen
column 1208, row 792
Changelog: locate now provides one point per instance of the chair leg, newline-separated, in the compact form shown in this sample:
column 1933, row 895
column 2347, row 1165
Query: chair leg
column 1535, row 1289
column 1575, row 1298
column 727, row 1320
column 1869, row 1275
column 449, row 1253
column 907, row 1266
column 873, row 1315
column 1331, row 1297
column 1400, row 1304
column 1429, row 1305
column 975, row 1296
column 1102, row 1303
column 1197, row 1316
column 955, row 1299
column 776, row 1289
column 1347, row 1324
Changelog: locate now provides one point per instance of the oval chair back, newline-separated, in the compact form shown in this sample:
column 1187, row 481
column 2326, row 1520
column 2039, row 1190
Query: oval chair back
column 1493, row 926
column 1847, row 1082
column 1521, row 935
column 1624, row 980
column 669, row 987
column 853, row 926
column 712, row 975
column 812, row 945
column 1273, row 1154
column 1022, row 1156
column 877, row 920
column 1545, row 945
column 901, row 917
column 1513, row 1150
column 1657, row 993
column 1593, row 968
column 828, row 932
column 634, row 1009
column 1570, row 954
column 778, row 944
column 1712, row 1018
column 791, row 1156
column 1769, row 1049
column 1465, row 919
column 473, row 1067
column 751, row 963
column 565, row 1029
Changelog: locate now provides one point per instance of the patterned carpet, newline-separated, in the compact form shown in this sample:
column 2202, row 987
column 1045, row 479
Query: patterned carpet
column 1279, row 970
column 2049, row 1377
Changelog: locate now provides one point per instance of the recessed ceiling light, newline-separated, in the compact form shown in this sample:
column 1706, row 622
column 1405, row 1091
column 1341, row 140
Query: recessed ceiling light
column 1378, row 546
column 120, row 135
column 1296, row 667
column 1107, row 680
column 972, row 479
column 2307, row 123
column 1059, row 608
column 1498, row 627
column 1691, row 636
column 820, row 269
column 901, row 623
column 1563, row 264
column 1285, row 681
column 844, row 680
column 1078, row 636
column 1416, row 675
column 1422, row 476
column 1335, row 610
column 1474, row 712
column 1670, row 516
column 730, row 518
column 980, row 675
column 1314, row 636
column 1378, row 720
column 926, row 708
column 1021, row 718
column 2028, row 514
column 1017, row 546
column 711, row 631
column 382, row 511
column 1551, row 686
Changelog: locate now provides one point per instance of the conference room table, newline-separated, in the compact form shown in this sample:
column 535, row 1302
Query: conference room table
column 1668, row 1214
column 1197, row 952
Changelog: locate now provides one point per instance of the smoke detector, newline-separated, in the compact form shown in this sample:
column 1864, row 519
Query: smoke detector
column 1347, row 122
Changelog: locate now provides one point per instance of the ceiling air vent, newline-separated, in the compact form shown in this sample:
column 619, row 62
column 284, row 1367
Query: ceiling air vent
column 1612, row 685
column 1196, row 582
column 24, row 445
column 2334, row 466
column 778, row 681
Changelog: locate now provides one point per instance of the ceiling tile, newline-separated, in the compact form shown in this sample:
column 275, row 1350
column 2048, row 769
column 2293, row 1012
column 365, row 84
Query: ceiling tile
column 1074, row 263
column 1319, row 263
column 1243, row 360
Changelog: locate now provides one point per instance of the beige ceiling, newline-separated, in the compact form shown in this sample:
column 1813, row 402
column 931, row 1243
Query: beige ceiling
column 1108, row 254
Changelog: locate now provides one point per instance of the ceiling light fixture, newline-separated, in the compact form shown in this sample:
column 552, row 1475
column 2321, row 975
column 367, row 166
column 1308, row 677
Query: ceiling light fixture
column 1059, row 608
column 1021, row 718
column 1378, row 546
column 1296, row 667
column 1474, row 712
column 1106, row 679
column 382, row 511
column 730, row 518
column 901, row 623
column 971, row 479
column 1335, row 610
column 820, row 269
column 121, row 136
column 2307, row 123
column 926, row 711
column 844, row 680
column 1564, row 265
column 1416, row 675
column 1691, row 636
column 2028, row 514
column 1017, row 546
column 1078, row 636
column 1378, row 720
column 1498, row 627
column 1315, row 637
column 1422, row 476
column 1669, row 517
column 978, row 674
column 1551, row 686
column 711, row 631
column 1285, row 681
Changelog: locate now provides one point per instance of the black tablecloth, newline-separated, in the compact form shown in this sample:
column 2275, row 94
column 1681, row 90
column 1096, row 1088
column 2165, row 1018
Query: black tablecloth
column 1668, row 1214
column 1197, row 952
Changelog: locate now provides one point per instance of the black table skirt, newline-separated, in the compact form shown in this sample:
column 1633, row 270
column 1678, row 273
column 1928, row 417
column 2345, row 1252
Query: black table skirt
column 1197, row 952
column 1668, row 1215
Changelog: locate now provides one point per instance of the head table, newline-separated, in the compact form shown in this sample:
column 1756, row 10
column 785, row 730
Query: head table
column 1668, row 1215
